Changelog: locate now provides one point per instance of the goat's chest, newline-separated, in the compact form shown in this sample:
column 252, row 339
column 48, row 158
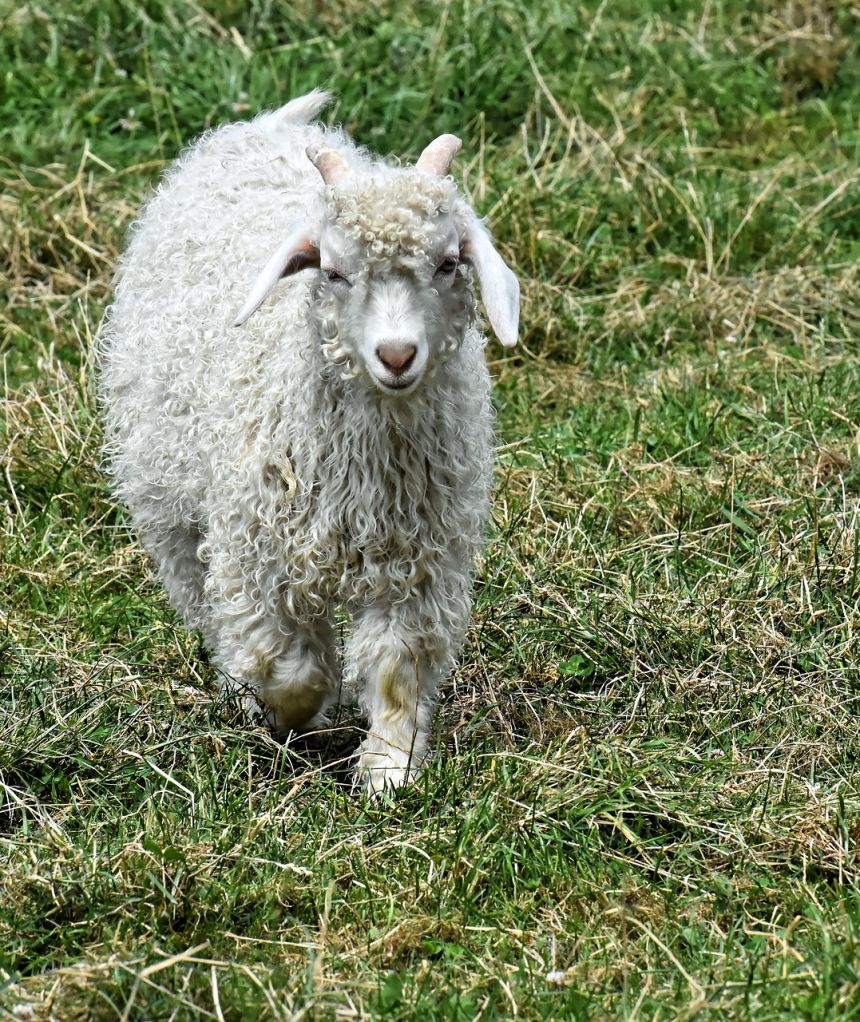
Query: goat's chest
column 401, row 495
column 375, row 510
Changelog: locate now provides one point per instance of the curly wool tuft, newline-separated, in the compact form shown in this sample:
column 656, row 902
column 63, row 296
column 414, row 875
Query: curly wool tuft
column 394, row 215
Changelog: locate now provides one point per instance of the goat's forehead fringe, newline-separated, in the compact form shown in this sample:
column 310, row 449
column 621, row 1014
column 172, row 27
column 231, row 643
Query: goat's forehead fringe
column 399, row 213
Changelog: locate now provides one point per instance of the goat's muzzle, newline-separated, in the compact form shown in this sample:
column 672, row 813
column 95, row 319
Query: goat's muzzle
column 396, row 357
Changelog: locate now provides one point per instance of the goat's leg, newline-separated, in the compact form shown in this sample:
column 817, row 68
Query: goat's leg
column 304, row 679
column 287, row 668
column 288, row 671
column 174, row 550
column 400, row 671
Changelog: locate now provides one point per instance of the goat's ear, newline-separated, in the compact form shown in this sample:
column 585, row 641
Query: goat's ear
column 296, row 253
column 500, row 289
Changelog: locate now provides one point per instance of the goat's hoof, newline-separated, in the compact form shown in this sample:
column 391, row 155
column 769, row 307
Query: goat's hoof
column 379, row 773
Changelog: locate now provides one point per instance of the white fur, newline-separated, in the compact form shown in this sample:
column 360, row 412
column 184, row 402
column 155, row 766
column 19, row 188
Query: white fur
column 271, row 469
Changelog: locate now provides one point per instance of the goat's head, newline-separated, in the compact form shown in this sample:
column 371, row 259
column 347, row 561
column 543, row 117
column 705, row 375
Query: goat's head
column 392, row 249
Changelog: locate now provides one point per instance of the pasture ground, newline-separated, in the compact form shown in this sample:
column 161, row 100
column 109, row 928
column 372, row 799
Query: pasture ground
column 645, row 801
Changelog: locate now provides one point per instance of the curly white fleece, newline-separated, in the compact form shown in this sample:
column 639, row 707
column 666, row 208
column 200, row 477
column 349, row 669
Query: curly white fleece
column 270, row 485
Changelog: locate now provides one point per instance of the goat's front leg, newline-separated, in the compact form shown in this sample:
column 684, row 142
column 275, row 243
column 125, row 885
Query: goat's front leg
column 285, row 667
column 400, row 669
column 289, row 671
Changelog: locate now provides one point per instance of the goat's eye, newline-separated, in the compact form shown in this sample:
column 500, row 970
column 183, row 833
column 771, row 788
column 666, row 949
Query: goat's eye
column 335, row 278
column 446, row 267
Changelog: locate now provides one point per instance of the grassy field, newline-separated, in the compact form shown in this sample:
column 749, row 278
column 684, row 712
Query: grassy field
column 646, row 795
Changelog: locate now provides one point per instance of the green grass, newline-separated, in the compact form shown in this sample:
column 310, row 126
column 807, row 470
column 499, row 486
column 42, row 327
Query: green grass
column 645, row 799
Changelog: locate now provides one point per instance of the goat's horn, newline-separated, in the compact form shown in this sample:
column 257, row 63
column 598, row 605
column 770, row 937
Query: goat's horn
column 332, row 166
column 437, row 157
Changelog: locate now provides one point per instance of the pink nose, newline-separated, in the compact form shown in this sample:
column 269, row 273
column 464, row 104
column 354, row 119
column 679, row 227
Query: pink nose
column 396, row 357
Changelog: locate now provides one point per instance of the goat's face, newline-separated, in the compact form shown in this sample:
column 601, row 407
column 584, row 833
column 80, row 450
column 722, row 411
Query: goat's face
column 393, row 299
column 391, row 250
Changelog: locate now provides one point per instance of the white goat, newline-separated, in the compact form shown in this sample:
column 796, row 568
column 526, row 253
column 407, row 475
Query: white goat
column 336, row 451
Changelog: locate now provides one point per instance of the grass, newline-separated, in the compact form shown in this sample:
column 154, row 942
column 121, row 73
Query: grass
column 645, row 801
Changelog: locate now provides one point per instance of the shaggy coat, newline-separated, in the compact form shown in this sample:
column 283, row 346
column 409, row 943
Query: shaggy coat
column 282, row 469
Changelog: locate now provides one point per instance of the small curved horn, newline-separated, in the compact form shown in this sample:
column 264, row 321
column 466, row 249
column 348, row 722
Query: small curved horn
column 332, row 166
column 437, row 157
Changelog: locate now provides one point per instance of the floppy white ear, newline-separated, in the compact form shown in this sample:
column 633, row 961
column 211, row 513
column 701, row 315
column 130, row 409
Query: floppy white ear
column 296, row 253
column 500, row 289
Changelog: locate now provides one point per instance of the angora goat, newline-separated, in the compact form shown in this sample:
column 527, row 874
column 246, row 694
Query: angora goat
column 298, row 415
